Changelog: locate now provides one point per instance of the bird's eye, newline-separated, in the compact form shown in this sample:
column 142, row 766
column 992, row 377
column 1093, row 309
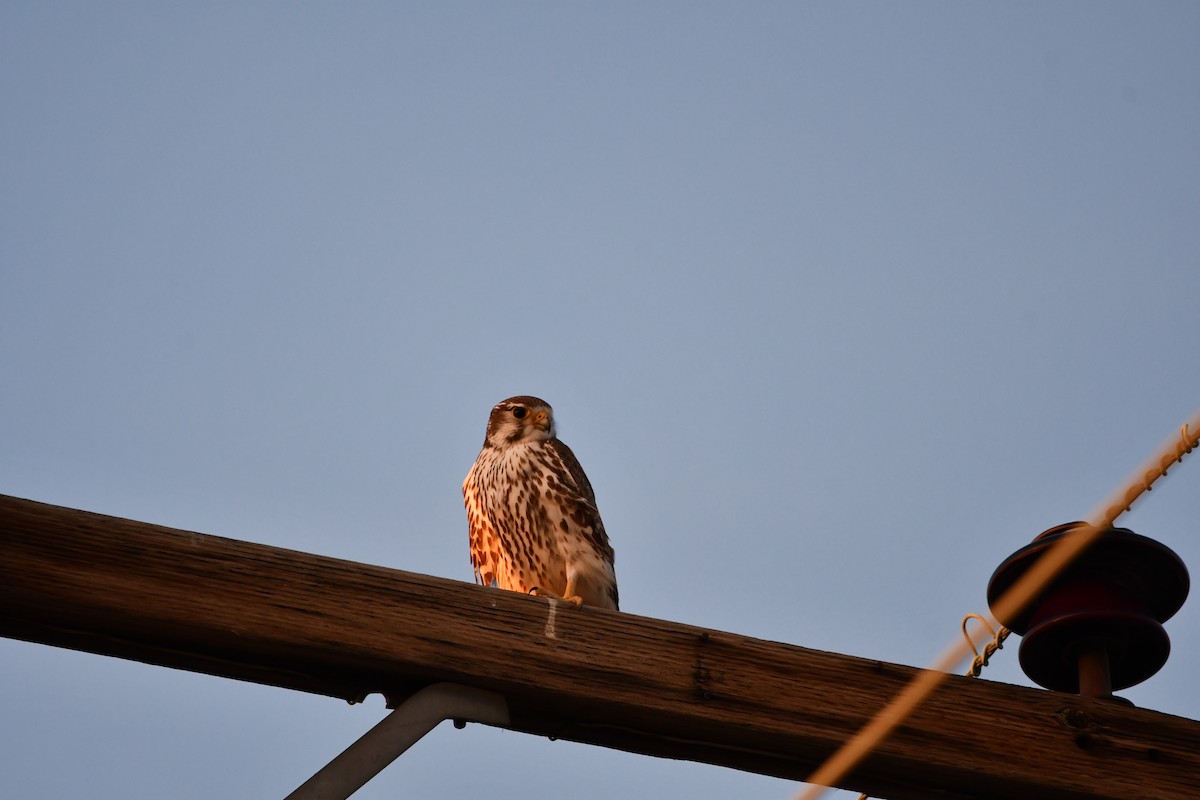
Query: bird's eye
column 519, row 412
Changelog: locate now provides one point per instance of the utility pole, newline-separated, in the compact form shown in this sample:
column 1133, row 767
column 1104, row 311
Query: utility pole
column 251, row 612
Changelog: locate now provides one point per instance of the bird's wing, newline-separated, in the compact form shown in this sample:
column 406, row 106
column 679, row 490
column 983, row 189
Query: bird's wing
column 579, row 511
column 578, row 490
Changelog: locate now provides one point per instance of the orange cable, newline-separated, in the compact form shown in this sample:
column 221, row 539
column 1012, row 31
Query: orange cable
column 1055, row 559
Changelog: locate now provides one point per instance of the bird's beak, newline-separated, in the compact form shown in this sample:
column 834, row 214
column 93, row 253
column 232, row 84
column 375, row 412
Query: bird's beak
column 542, row 420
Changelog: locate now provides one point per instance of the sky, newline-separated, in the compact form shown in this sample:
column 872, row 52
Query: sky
column 838, row 304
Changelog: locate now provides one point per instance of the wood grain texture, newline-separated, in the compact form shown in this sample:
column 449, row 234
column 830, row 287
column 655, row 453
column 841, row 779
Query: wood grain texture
column 279, row 617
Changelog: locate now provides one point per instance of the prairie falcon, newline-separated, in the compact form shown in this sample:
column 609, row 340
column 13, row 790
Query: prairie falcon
column 531, row 513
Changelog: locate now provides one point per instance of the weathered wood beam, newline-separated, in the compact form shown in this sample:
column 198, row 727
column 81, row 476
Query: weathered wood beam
column 247, row 611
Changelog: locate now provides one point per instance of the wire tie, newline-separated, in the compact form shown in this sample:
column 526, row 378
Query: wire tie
column 967, row 635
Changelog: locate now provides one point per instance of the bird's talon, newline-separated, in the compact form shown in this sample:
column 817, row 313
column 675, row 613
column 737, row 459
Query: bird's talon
column 574, row 600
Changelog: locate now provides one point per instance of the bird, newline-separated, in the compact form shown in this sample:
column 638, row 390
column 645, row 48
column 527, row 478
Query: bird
column 532, row 519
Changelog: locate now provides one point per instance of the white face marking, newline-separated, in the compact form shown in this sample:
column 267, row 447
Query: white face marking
column 535, row 425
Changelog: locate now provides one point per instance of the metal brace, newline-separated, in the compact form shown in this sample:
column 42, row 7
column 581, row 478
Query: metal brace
column 398, row 731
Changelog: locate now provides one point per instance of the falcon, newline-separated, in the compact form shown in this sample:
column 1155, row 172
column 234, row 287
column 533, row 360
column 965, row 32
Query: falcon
column 531, row 514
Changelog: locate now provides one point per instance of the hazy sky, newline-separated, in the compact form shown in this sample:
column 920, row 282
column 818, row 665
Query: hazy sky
column 838, row 305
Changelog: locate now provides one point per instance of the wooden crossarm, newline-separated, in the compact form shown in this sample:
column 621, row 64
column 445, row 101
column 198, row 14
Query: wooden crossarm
column 247, row 611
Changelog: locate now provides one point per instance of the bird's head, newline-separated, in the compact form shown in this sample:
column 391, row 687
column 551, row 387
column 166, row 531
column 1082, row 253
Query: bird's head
column 519, row 419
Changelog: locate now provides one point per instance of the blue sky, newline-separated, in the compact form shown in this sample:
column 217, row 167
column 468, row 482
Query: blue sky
column 838, row 305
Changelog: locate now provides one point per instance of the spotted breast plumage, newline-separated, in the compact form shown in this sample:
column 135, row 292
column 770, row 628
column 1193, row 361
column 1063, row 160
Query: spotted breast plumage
column 531, row 513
